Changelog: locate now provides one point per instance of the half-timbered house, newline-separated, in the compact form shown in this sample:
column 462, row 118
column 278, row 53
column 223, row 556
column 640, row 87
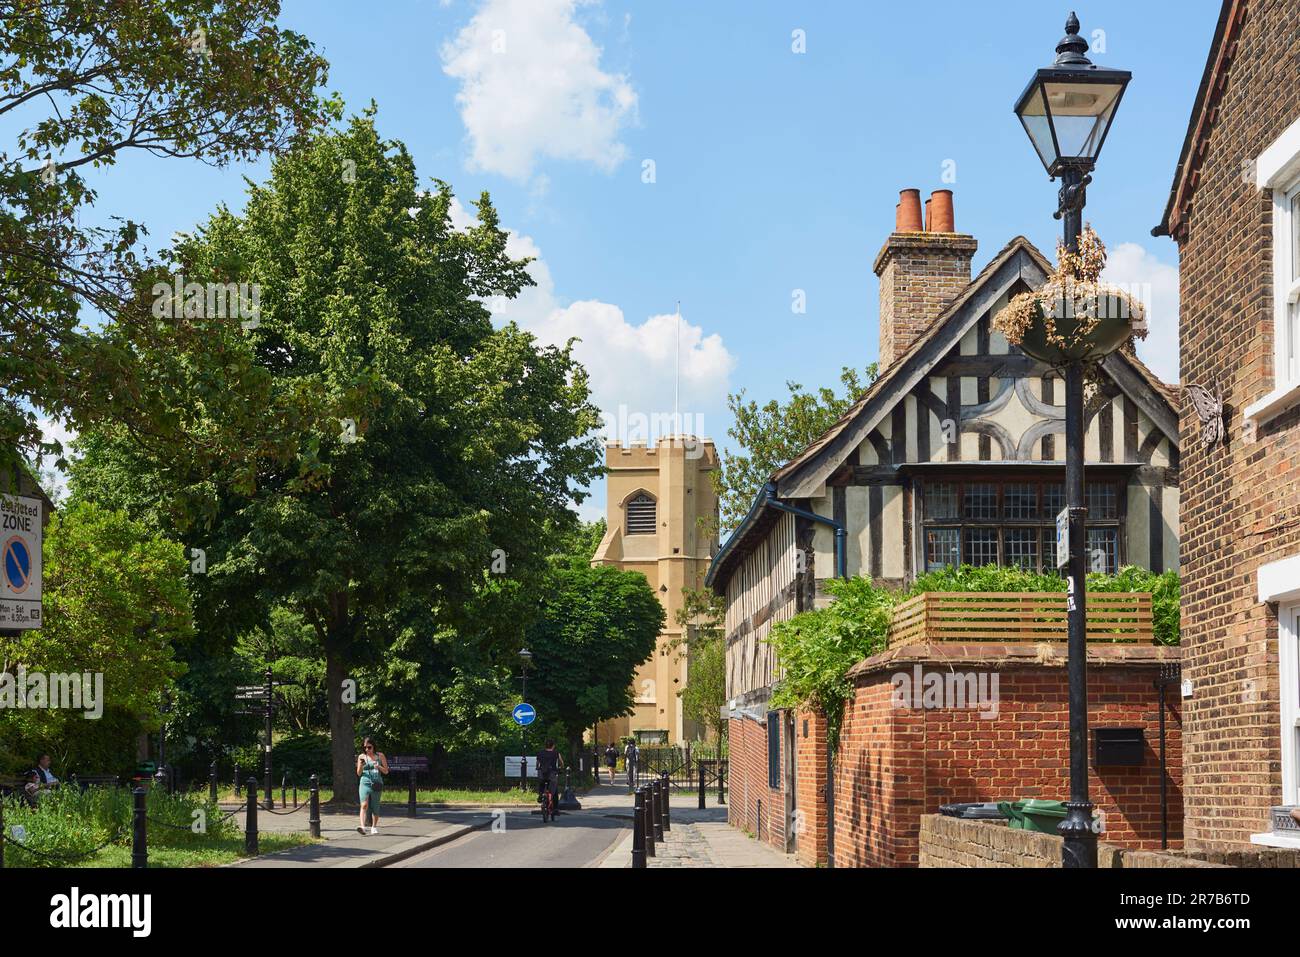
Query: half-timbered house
column 954, row 455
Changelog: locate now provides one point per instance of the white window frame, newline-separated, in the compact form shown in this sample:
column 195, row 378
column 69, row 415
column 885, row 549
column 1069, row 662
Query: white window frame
column 1288, row 638
column 1278, row 169
column 1279, row 582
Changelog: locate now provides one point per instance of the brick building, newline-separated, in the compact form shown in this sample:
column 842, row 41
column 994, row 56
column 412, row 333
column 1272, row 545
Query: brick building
column 953, row 456
column 1234, row 211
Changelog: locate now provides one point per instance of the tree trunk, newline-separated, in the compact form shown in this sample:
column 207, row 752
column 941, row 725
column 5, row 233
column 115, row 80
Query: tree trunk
column 343, row 755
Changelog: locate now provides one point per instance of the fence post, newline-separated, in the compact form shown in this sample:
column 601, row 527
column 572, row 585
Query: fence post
column 668, row 808
column 212, row 782
column 295, row 795
column 139, row 838
column 638, row 829
column 250, row 819
column 284, row 787
column 722, row 773
column 410, row 794
column 648, row 818
column 313, row 815
column 236, row 779
column 659, row 810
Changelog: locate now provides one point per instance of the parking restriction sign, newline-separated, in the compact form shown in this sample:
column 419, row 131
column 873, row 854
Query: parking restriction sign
column 20, row 562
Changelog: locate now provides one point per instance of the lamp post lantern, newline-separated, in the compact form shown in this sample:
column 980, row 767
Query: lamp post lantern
column 1067, row 110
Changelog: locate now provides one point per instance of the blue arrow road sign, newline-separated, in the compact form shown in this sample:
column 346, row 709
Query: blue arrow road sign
column 524, row 714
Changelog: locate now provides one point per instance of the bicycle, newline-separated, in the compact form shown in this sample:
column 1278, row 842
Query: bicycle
column 548, row 799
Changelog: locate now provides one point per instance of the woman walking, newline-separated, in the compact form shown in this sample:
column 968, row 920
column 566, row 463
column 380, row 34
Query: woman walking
column 371, row 766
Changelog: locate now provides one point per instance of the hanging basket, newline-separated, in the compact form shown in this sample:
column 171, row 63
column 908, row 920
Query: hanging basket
column 1060, row 335
column 1074, row 316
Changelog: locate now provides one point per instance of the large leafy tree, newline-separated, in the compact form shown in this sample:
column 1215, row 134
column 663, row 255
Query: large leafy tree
column 116, row 604
column 701, row 616
column 771, row 434
column 596, row 626
column 459, row 446
column 86, row 82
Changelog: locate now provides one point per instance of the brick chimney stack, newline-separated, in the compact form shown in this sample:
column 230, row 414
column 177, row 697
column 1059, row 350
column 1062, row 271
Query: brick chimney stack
column 922, row 267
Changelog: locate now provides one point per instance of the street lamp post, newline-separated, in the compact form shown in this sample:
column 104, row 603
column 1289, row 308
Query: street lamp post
column 1067, row 110
column 525, row 659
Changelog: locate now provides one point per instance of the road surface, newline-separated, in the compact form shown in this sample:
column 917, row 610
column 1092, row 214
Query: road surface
column 520, row 839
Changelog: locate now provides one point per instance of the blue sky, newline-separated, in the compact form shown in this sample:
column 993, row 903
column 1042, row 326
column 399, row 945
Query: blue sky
column 773, row 170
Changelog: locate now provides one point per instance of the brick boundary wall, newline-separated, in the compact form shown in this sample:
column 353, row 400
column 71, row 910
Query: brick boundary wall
column 811, row 762
column 897, row 764
column 953, row 842
column 747, row 784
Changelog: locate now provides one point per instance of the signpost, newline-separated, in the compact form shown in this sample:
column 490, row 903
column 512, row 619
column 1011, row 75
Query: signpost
column 524, row 714
column 1063, row 538
column 20, row 562
column 261, row 703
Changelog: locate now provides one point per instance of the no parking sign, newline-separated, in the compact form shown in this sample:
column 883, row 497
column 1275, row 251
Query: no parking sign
column 20, row 562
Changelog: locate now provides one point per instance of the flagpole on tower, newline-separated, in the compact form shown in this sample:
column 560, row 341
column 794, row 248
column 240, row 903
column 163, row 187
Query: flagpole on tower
column 677, row 372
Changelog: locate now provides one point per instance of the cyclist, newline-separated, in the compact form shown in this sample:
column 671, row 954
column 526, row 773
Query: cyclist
column 631, row 761
column 549, row 764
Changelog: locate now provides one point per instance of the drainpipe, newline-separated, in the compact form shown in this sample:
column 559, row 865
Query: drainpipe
column 841, row 534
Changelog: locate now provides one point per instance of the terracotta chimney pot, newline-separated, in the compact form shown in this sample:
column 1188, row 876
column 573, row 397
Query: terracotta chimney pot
column 909, row 212
column 929, row 217
column 941, row 218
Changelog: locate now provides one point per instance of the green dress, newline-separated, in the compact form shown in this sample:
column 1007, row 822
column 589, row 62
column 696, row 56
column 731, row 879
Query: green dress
column 371, row 780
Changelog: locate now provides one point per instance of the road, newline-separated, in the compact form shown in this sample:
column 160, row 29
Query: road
column 577, row 839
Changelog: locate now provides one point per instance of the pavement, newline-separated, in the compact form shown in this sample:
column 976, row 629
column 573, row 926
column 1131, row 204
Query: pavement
column 599, row 835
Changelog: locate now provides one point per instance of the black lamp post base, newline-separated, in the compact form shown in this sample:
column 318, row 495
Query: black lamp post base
column 1080, row 845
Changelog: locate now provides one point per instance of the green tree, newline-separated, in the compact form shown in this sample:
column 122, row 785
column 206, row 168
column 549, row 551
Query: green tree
column 115, row 604
column 701, row 618
column 460, row 447
column 770, row 435
column 84, row 82
column 597, row 625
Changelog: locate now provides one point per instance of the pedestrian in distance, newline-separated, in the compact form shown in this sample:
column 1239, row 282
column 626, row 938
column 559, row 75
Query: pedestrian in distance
column 611, row 760
column 371, row 767
column 44, row 775
column 631, row 760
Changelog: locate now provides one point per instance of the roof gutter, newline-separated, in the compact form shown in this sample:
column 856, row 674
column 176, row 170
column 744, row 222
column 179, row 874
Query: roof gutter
column 767, row 499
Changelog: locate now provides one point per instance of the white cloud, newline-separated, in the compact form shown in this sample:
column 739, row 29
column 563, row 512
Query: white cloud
column 52, row 430
column 1156, row 284
column 531, row 86
column 632, row 365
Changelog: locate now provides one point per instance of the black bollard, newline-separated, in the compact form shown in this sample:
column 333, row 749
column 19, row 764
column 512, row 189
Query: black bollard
column 722, row 792
column 668, row 817
column 284, row 788
column 638, row 829
column 295, row 795
column 313, row 815
column 139, row 838
column 212, row 782
column 659, row 811
column 648, row 816
column 236, row 780
column 250, row 820
column 410, row 795
column 699, row 766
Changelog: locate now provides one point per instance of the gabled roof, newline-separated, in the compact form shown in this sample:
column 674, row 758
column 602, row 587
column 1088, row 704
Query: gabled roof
column 1018, row 261
column 803, row 476
column 1204, row 112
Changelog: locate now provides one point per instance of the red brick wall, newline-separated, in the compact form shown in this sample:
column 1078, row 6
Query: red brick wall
column 896, row 764
column 920, row 273
column 751, row 805
column 1240, row 505
column 810, row 763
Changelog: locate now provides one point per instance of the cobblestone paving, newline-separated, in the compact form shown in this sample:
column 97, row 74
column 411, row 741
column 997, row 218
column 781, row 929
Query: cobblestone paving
column 683, row 846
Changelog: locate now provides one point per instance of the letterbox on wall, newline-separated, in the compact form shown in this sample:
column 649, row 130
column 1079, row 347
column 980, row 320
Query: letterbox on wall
column 1119, row 747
